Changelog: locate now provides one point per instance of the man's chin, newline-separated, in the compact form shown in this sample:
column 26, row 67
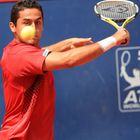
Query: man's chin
column 33, row 42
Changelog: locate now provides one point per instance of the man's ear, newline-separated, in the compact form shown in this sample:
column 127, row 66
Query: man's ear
column 12, row 27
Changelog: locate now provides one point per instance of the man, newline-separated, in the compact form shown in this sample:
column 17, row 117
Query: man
column 133, row 81
column 28, row 81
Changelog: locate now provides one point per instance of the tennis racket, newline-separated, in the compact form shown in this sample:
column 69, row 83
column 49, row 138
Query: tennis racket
column 116, row 11
column 125, row 59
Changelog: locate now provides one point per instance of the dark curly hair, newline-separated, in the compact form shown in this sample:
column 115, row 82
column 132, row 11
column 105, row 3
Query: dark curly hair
column 21, row 5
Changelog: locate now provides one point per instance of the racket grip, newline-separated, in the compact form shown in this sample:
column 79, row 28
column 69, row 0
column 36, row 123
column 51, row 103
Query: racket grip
column 124, row 42
column 121, row 74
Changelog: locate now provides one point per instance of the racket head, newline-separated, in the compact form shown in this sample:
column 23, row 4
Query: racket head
column 116, row 10
column 125, row 58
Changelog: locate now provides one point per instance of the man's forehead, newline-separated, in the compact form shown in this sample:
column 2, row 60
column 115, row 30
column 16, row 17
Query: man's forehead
column 30, row 13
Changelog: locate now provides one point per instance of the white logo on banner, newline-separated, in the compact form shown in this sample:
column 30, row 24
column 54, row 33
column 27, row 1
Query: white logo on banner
column 128, row 78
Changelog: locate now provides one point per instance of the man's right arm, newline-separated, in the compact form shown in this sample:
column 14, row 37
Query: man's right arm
column 84, row 54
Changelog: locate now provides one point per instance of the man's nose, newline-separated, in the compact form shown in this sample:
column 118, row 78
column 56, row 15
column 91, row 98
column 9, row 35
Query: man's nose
column 33, row 25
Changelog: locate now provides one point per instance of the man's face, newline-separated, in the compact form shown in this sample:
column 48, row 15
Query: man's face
column 29, row 17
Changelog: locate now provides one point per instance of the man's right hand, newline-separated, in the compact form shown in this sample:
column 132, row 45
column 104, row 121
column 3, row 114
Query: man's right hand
column 122, row 37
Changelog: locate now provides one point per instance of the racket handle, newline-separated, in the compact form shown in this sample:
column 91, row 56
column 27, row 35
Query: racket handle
column 124, row 42
column 121, row 74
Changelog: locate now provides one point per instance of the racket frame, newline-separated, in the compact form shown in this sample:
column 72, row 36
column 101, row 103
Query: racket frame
column 123, row 63
column 113, row 22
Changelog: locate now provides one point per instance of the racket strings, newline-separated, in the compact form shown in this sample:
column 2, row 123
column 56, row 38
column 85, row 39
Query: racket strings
column 116, row 10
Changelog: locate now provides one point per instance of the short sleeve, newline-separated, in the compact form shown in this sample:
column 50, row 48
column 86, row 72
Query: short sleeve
column 28, row 60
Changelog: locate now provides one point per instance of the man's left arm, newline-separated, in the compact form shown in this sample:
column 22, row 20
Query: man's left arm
column 68, row 44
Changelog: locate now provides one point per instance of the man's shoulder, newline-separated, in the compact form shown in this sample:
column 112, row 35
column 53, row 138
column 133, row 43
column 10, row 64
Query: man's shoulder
column 15, row 47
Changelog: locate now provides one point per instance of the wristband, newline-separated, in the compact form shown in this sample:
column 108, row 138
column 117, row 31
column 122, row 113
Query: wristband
column 107, row 43
column 46, row 52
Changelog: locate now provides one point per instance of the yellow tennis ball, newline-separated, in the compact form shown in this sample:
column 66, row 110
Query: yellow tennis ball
column 27, row 33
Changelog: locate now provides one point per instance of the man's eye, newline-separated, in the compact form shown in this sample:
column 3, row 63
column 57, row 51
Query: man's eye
column 38, row 22
column 26, row 23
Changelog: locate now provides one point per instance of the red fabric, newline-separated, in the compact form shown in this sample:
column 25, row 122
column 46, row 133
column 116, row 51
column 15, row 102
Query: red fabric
column 29, row 94
column 7, row 0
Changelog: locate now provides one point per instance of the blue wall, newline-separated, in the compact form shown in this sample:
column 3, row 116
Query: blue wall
column 87, row 99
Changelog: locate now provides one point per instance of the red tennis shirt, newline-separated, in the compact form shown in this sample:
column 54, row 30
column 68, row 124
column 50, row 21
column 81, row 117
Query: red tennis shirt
column 29, row 94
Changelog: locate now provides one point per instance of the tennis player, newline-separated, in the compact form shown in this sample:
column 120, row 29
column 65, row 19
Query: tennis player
column 27, row 73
